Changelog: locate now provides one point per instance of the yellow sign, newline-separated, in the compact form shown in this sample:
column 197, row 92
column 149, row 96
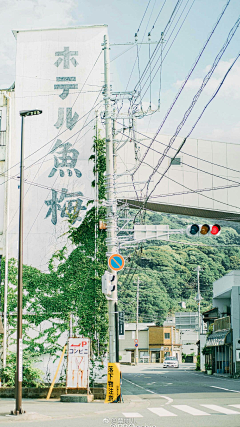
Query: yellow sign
column 113, row 383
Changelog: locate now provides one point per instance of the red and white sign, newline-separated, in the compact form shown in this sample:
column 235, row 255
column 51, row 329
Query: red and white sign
column 136, row 341
column 78, row 363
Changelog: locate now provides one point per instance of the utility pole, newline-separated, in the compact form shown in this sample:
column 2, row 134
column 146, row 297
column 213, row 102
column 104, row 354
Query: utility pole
column 111, row 201
column 137, row 320
column 198, row 299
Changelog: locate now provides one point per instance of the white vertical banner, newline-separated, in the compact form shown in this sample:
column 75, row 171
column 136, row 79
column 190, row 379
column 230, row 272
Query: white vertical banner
column 20, row 361
column 78, row 362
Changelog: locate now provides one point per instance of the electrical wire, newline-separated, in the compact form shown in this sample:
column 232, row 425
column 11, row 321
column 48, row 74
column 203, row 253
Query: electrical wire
column 187, row 78
column 162, row 50
column 188, row 165
column 186, row 115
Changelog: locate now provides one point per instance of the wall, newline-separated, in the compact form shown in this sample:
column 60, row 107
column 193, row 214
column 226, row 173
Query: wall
column 225, row 283
column 235, row 322
column 196, row 173
column 58, row 143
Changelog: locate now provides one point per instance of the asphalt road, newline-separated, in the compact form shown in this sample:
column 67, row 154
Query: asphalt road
column 153, row 396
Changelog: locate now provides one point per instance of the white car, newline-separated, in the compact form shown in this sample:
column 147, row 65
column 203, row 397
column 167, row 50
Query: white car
column 170, row 362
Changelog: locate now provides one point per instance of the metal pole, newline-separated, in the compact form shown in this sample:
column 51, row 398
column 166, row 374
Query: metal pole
column 20, row 266
column 137, row 320
column 199, row 299
column 117, row 331
column 111, row 202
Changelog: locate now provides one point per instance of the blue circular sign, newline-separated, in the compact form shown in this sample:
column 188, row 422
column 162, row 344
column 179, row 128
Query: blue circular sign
column 116, row 262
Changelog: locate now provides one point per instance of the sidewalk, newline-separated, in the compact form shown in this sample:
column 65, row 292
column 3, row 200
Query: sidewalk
column 40, row 412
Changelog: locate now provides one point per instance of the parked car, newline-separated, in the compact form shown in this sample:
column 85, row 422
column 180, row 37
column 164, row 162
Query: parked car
column 170, row 362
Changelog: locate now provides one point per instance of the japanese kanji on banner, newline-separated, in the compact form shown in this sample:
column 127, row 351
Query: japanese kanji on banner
column 113, row 383
column 78, row 363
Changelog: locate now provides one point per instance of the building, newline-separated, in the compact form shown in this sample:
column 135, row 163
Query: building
column 188, row 340
column 164, row 341
column 127, row 349
column 223, row 343
column 186, row 320
column 58, row 71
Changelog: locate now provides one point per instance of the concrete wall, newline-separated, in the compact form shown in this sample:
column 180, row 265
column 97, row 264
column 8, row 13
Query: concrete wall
column 235, row 322
column 225, row 283
column 193, row 172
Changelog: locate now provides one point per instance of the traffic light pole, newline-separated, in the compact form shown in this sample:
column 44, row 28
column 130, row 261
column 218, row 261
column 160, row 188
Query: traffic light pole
column 111, row 200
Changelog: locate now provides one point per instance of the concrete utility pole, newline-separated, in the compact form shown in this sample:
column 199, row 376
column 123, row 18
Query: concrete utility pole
column 137, row 320
column 111, row 201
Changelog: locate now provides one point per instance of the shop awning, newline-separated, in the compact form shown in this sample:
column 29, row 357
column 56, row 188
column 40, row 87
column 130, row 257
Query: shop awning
column 218, row 338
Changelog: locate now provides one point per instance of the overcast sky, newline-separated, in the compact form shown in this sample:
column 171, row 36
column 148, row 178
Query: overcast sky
column 221, row 120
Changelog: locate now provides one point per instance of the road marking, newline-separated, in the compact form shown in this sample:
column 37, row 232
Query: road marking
column 190, row 410
column 221, row 409
column 235, row 406
column 132, row 415
column 169, row 400
column 161, row 412
column 226, row 389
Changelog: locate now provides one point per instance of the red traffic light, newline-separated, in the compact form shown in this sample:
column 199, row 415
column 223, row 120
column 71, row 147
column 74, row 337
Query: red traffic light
column 215, row 229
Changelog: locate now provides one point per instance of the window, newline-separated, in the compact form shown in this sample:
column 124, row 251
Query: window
column 176, row 161
column 167, row 336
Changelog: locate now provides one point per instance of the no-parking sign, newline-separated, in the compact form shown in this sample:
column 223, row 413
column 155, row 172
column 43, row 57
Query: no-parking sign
column 116, row 262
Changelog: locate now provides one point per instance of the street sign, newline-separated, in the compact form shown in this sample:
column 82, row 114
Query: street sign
column 121, row 323
column 136, row 344
column 116, row 262
column 78, row 363
column 136, row 341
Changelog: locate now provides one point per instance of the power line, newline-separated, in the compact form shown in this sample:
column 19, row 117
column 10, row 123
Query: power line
column 186, row 164
column 195, row 99
column 187, row 78
column 162, row 50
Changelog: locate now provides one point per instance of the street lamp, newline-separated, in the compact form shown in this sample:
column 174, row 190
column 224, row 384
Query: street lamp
column 18, row 409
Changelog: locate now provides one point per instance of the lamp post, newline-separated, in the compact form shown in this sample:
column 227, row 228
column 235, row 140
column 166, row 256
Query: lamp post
column 18, row 383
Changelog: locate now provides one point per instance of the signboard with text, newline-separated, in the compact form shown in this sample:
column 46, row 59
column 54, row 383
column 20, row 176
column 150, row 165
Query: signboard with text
column 78, row 362
column 58, row 71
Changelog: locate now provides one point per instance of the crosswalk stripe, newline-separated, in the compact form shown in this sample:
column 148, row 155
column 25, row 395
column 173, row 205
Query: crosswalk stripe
column 161, row 412
column 235, row 406
column 221, row 409
column 190, row 410
column 132, row 415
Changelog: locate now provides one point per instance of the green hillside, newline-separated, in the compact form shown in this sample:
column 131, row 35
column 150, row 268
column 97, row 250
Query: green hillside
column 167, row 270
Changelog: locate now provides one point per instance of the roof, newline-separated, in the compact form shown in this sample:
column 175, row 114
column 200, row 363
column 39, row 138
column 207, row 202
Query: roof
column 218, row 338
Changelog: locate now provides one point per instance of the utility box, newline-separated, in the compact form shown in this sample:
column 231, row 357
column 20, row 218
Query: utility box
column 108, row 285
column 151, row 232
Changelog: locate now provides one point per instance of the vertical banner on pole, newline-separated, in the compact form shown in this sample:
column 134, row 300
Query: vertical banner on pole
column 113, row 383
column 78, row 363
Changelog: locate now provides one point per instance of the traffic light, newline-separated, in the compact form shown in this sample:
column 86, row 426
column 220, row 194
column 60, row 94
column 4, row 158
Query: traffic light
column 108, row 285
column 204, row 229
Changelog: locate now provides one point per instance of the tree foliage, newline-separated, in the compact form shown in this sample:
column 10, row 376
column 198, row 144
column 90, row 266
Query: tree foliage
column 167, row 271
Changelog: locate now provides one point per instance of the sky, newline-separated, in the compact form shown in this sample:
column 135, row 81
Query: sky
column 220, row 122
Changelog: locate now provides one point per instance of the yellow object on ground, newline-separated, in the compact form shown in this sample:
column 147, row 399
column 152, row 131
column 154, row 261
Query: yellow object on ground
column 113, row 383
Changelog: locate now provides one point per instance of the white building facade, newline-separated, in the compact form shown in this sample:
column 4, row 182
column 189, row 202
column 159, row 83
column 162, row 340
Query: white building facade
column 58, row 71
